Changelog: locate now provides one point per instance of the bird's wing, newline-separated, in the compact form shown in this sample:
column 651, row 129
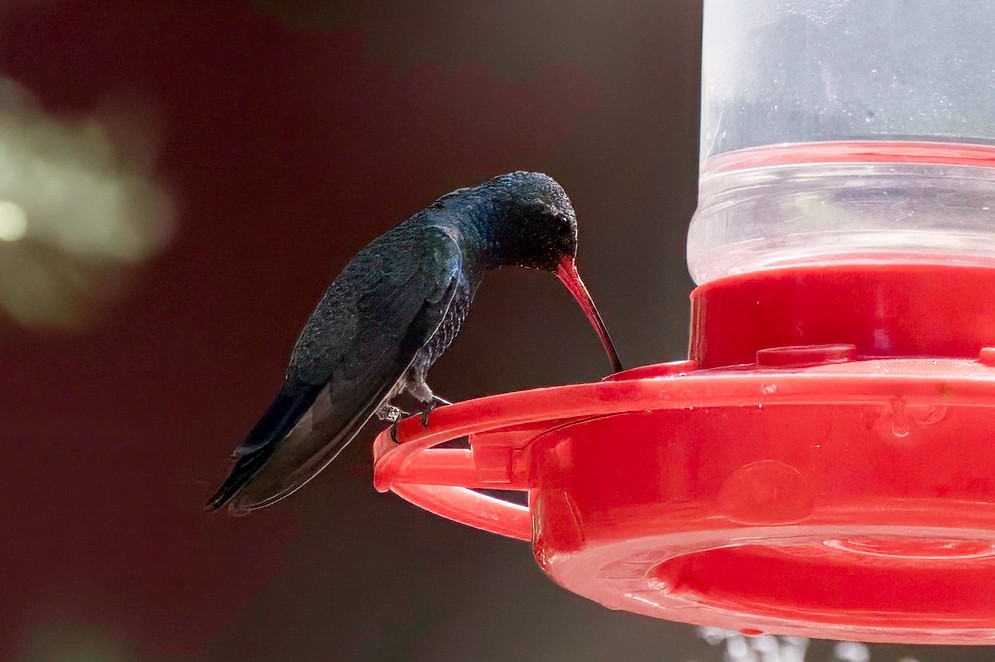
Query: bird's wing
column 360, row 340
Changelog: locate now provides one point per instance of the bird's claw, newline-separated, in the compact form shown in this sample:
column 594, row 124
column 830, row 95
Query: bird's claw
column 393, row 415
column 436, row 401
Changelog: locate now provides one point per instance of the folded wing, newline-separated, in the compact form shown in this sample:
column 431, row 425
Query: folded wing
column 384, row 306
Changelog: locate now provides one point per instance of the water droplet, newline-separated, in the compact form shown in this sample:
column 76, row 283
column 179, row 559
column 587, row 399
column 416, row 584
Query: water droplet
column 899, row 419
column 851, row 651
column 926, row 414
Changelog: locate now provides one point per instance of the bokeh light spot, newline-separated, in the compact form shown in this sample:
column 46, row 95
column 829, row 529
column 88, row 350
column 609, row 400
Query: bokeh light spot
column 87, row 204
column 13, row 221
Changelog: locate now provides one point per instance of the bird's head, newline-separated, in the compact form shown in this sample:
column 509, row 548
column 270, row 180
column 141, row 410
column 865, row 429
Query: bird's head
column 538, row 230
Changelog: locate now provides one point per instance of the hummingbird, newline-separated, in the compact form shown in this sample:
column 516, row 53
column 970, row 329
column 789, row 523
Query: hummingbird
column 389, row 315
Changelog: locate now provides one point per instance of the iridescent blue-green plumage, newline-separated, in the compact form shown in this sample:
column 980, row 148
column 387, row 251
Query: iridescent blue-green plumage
column 386, row 318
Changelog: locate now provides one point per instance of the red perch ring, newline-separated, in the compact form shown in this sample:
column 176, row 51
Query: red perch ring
column 812, row 469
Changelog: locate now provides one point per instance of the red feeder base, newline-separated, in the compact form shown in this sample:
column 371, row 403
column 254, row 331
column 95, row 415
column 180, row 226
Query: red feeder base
column 809, row 471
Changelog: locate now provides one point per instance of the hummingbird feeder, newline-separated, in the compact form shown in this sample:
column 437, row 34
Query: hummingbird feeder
column 823, row 463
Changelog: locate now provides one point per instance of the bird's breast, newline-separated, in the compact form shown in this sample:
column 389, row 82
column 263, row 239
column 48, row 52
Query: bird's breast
column 450, row 325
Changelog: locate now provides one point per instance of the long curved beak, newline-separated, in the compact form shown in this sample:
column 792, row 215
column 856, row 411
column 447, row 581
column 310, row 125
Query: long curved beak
column 567, row 273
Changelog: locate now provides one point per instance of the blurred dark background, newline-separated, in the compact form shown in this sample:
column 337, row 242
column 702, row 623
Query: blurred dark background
column 179, row 181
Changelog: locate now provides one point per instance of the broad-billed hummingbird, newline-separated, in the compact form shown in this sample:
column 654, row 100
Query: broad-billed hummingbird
column 389, row 315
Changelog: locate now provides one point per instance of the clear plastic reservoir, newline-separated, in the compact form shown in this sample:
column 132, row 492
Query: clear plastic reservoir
column 845, row 131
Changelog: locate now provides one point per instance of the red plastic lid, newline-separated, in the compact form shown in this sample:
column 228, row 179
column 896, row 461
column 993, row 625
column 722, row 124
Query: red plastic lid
column 823, row 489
column 854, row 151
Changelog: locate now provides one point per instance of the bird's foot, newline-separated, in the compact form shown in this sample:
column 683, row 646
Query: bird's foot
column 436, row 401
column 390, row 413
column 393, row 415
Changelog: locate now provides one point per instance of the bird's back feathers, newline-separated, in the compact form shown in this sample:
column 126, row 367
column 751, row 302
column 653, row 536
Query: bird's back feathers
column 355, row 348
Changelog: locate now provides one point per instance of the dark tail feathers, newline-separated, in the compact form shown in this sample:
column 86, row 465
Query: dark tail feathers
column 245, row 468
column 281, row 417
